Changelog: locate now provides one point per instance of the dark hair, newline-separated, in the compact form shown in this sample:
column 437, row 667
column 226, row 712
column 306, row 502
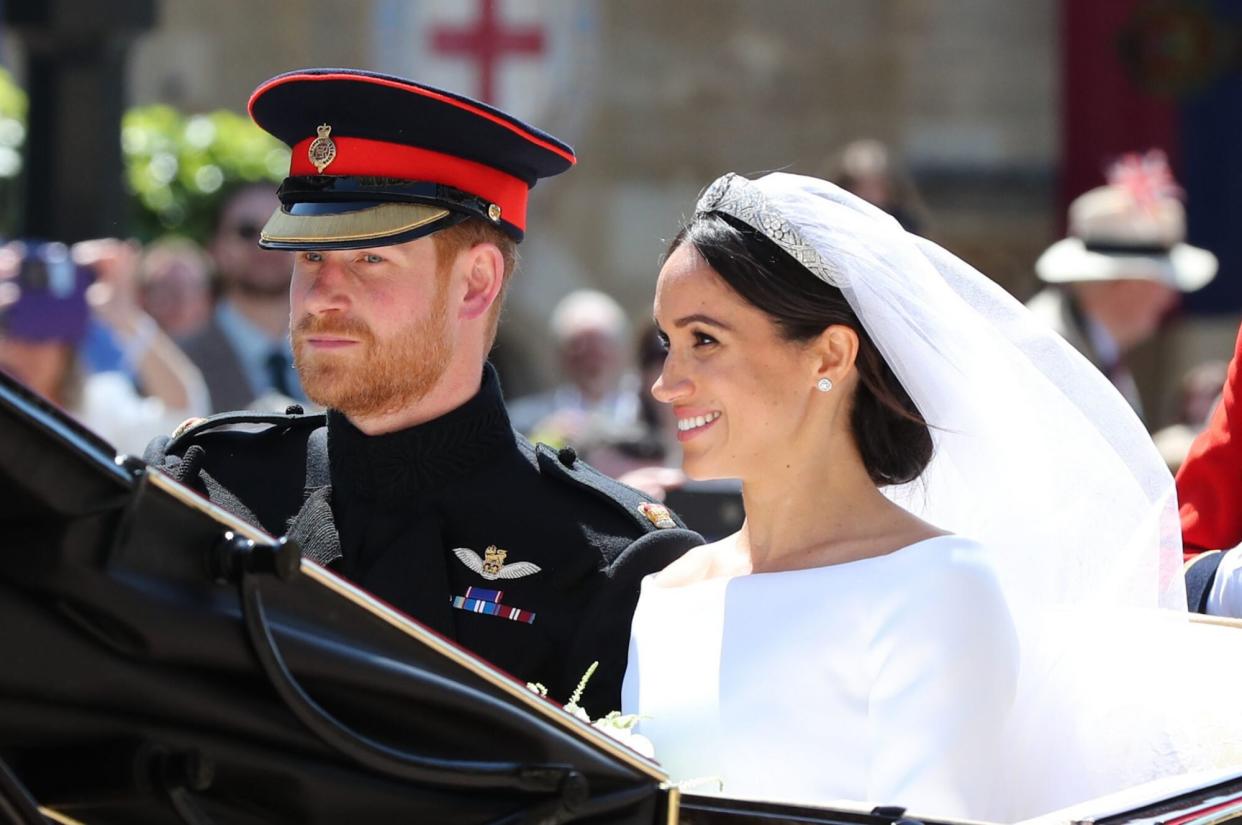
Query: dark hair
column 892, row 436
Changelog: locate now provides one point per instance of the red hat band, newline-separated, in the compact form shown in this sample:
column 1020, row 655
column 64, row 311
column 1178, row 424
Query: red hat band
column 363, row 157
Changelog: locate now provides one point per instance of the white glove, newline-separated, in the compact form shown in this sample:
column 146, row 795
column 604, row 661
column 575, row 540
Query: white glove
column 1225, row 597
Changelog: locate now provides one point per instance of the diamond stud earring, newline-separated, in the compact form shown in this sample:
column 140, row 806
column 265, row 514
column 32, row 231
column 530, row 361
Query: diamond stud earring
column 824, row 384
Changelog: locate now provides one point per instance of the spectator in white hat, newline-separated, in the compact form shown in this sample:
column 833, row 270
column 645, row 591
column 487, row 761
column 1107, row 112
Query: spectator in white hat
column 1122, row 268
column 599, row 396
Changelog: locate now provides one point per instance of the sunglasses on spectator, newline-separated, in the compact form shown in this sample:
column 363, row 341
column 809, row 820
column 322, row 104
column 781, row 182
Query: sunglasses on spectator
column 248, row 231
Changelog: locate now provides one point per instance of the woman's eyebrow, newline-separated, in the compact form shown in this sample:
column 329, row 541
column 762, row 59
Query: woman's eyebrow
column 702, row 319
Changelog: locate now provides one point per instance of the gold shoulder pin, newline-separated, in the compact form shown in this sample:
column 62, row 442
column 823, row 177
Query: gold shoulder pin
column 185, row 425
column 492, row 565
column 657, row 514
column 322, row 150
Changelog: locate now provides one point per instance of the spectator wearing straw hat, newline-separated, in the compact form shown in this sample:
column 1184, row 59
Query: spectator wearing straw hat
column 1123, row 267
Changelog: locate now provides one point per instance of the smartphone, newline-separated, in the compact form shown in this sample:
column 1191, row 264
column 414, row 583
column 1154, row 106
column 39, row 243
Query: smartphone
column 47, row 267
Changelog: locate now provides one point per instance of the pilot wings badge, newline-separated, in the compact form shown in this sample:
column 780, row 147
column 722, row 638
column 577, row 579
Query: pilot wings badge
column 492, row 565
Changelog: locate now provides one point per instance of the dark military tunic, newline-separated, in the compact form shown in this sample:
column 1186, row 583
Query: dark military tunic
column 525, row 555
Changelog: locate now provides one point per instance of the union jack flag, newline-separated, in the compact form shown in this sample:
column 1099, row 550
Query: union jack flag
column 1147, row 177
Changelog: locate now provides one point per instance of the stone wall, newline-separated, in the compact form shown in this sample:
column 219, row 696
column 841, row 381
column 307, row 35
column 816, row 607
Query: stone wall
column 676, row 93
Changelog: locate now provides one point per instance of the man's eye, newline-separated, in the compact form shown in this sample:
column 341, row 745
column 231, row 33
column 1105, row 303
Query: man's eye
column 372, row 259
column 313, row 257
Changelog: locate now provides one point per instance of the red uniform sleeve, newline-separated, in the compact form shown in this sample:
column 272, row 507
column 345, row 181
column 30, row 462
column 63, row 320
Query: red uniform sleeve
column 1209, row 485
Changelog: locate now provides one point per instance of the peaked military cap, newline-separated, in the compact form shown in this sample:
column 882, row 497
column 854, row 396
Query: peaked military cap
column 379, row 160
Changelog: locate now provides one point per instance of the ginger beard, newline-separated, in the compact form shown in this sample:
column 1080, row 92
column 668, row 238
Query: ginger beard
column 379, row 375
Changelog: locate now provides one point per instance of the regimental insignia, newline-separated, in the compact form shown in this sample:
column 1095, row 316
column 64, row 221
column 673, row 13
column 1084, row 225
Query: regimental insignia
column 189, row 423
column 492, row 565
column 657, row 514
column 322, row 150
column 494, row 560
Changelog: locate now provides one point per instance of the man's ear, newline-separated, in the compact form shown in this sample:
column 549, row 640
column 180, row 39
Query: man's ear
column 485, row 275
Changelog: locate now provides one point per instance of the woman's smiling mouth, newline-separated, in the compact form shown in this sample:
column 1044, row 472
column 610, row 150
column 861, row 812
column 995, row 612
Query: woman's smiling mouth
column 690, row 426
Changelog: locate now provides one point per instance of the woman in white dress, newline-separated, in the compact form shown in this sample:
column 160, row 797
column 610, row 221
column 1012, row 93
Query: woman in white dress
column 929, row 476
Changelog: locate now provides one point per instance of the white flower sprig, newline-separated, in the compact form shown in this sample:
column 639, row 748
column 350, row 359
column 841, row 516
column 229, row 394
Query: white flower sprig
column 617, row 725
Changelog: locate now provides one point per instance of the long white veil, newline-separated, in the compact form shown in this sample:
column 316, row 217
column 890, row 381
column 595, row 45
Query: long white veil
column 1038, row 458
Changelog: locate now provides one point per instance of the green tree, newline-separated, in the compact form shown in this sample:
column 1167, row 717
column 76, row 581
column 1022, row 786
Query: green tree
column 177, row 166
column 12, row 136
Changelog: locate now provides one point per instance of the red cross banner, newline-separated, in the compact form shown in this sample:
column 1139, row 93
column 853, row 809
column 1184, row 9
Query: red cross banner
column 486, row 42
column 531, row 58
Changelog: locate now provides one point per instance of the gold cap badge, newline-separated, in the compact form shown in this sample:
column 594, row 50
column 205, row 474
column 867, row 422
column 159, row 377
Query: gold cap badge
column 322, row 150
column 493, row 212
column 657, row 514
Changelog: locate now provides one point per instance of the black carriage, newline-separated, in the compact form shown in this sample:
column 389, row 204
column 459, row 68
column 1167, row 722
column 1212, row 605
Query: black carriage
column 164, row 662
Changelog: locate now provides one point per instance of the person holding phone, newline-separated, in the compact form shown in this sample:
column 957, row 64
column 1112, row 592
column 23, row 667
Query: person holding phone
column 48, row 293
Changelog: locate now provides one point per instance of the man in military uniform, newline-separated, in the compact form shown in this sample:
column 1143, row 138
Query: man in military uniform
column 404, row 205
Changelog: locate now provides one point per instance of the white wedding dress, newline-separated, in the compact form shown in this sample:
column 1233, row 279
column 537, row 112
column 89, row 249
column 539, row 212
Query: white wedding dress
column 1049, row 662
column 884, row 681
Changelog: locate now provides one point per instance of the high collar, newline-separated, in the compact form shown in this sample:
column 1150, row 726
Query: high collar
column 389, row 468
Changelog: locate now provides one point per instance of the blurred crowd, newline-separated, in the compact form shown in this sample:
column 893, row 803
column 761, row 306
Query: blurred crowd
column 1108, row 287
column 133, row 341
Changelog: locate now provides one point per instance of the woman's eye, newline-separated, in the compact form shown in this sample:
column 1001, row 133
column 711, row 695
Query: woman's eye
column 702, row 339
column 663, row 339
